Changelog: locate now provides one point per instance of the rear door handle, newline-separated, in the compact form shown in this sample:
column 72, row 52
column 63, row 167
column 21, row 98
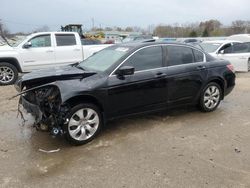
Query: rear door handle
column 161, row 75
column 201, row 67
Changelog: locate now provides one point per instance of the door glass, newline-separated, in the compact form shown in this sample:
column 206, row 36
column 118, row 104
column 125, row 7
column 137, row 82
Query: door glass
column 41, row 41
column 65, row 40
column 240, row 48
column 198, row 56
column 228, row 48
column 147, row 58
column 178, row 55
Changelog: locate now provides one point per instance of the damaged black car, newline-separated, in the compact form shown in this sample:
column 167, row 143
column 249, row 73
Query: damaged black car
column 123, row 80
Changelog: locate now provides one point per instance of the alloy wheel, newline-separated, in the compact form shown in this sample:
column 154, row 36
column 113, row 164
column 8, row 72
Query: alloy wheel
column 83, row 124
column 211, row 97
column 6, row 74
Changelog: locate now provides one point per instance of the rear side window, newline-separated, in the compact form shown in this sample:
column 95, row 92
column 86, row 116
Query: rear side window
column 147, row 58
column 65, row 40
column 179, row 55
column 198, row 56
column 241, row 48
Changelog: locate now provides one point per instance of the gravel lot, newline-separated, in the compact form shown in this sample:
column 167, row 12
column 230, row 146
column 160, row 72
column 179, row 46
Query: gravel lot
column 184, row 148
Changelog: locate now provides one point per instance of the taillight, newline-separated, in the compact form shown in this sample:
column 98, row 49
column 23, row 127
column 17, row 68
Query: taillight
column 231, row 67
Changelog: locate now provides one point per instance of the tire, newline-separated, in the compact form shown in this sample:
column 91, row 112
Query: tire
column 8, row 74
column 79, row 130
column 210, row 97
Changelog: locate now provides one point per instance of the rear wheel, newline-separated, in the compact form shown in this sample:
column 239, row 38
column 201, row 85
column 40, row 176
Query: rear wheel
column 210, row 97
column 85, row 121
column 8, row 74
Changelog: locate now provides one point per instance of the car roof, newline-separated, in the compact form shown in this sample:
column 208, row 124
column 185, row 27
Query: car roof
column 56, row 32
column 144, row 44
column 220, row 41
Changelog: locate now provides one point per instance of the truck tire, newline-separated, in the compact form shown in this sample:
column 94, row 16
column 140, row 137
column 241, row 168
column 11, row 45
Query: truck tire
column 8, row 73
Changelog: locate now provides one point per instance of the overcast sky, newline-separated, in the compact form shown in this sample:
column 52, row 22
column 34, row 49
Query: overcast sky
column 27, row 15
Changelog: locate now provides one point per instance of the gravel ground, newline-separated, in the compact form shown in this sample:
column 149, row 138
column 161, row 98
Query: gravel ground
column 184, row 148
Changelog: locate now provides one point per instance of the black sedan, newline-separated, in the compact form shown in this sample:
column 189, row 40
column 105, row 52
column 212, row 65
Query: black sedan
column 123, row 80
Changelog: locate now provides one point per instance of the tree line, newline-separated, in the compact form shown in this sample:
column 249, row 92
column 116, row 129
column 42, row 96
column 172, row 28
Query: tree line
column 209, row 28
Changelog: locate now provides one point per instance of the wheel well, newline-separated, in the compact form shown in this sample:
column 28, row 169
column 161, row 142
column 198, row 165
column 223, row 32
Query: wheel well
column 12, row 61
column 84, row 98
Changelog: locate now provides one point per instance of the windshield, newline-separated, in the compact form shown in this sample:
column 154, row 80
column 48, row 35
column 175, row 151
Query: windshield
column 104, row 59
column 210, row 47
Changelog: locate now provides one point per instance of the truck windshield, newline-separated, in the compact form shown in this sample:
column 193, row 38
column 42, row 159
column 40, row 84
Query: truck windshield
column 104, row 59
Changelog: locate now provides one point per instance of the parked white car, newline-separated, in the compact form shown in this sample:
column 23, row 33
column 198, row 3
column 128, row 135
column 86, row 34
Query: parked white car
column 42, row 50
column 240, row 37
column 236, row 52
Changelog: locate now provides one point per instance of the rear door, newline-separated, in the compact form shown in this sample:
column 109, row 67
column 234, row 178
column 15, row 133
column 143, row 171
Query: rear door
column 67, row 50
column 186, row 74
column 40, row 55
column 145, row 90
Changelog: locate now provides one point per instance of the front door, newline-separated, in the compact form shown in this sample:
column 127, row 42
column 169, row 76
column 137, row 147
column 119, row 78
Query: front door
column 145, row 90
column 238, row 55
column 40, row 55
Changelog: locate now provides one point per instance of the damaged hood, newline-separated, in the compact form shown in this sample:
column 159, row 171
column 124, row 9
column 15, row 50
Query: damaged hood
column 54, row 74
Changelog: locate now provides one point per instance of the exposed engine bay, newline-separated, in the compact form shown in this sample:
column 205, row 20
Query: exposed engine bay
column 45, row 105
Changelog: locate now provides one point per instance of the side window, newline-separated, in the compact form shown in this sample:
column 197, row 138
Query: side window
column 178, row 55
column 65, row 40
column 147, row 58
column 41, row 41
column 228, row 48
column 240, row 48
column 198, row 56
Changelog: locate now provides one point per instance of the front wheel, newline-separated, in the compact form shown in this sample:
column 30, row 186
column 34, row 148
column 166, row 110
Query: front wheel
column 85, row 121
column 210, row 97
column 8, row 74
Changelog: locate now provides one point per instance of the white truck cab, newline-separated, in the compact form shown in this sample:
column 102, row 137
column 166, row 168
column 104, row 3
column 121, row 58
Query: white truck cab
column 42, row 50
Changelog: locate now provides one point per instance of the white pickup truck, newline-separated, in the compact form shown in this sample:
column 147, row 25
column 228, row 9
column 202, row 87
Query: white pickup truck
column 42, row 50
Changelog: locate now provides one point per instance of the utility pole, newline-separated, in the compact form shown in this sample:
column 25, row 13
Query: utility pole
column 93, row 23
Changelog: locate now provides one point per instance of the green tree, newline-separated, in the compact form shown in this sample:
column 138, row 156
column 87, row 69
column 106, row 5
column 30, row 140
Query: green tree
column 193, row 33
column 205, row 33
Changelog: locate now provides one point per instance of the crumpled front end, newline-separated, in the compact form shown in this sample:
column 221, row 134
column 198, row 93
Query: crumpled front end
column 44, row 103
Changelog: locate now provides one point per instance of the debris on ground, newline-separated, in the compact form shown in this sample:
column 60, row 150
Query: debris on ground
column 4, row 150
column 237, row 150
column 49, row 151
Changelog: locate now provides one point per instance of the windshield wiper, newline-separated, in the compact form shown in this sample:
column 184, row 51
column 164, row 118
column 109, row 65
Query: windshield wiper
column 79, row 67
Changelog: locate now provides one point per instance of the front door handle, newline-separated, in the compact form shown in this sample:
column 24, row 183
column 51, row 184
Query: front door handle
column 76, row 49
column 201, row 67
column 160, row 75
column 49, row 51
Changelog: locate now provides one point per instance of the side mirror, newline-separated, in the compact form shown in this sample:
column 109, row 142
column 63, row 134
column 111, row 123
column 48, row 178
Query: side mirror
column 27, row 45
column 126, row 70
column 221, row 52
